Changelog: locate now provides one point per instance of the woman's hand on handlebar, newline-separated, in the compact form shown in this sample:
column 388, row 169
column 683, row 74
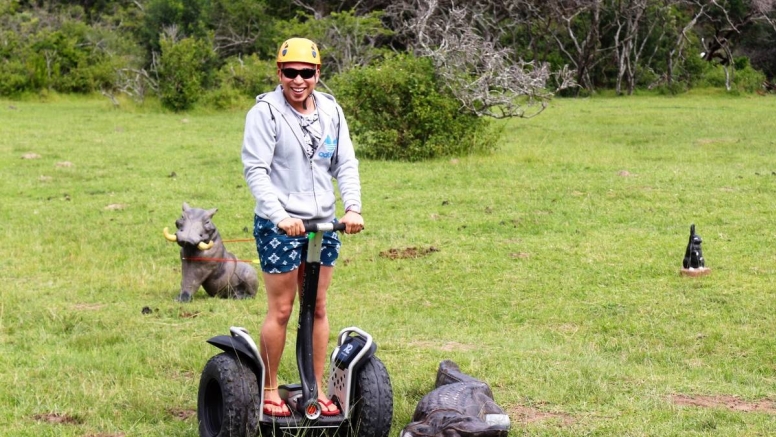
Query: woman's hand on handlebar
column 353, row 222
column 292, row 226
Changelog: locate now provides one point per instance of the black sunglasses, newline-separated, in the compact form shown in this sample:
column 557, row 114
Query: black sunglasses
column 292, row 73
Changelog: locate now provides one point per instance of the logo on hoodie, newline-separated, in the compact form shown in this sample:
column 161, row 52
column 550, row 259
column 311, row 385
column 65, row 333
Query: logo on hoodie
column 329, row 146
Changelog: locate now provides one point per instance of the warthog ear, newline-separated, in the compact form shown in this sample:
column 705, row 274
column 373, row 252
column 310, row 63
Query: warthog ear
column 211, row 212
column 186, row 206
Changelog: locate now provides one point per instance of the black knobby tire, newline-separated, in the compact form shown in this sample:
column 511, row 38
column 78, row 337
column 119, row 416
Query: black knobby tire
column 373, row 402
column 228, row 400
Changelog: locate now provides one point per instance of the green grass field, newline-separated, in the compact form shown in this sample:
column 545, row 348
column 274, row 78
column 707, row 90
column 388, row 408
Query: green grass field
column 551, row 272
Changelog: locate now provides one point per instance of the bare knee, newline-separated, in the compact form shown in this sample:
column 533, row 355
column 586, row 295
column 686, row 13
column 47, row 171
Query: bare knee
column 320, row 311
column 281, row 290
column 280, row 315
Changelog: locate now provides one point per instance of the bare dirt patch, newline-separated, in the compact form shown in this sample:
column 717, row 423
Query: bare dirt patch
column 56, row 418
column 732, row 403
column 188, row 315
column 181, row 413
column 408, row 252
column 525, row 415
column 520, row 255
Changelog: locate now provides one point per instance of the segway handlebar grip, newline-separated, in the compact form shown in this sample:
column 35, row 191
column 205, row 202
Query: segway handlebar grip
column 324, row 227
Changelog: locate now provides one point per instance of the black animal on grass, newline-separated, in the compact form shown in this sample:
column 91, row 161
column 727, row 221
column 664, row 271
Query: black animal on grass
column 459, row 406
column 693, row 256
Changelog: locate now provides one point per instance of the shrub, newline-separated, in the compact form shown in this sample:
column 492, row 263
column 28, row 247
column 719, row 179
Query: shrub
column 59, row 53
column 346, row 39
column 397, row 110
column 248, row 75
column 226, row 97
column 13, row 78
column 671, row 89
column 744, row 78
column 182, row 71
column 747, row 78
column 187, row 16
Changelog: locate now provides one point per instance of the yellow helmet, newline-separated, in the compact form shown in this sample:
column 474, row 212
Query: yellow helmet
column 299, row 50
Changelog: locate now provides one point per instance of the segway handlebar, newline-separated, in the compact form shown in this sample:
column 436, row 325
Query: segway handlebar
column 320, row 227
column 324, row 227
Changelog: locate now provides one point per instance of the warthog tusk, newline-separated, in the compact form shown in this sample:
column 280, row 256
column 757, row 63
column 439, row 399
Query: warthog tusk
column 205, row 246
column 168, row 236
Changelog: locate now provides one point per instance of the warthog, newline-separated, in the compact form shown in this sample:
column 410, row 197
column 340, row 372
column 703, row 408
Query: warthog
column 459, row 406
column 206, row 262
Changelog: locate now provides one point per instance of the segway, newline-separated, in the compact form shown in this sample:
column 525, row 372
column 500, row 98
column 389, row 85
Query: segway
column 231, row 391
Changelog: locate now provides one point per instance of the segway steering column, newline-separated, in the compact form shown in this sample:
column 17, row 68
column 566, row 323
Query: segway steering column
column 304, row 339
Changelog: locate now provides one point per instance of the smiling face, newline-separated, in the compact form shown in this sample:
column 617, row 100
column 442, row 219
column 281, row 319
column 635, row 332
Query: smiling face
column 297, row 89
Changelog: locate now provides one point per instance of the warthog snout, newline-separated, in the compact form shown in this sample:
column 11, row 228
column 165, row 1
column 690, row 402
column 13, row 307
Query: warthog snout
column 194, row 229
column 174, row 238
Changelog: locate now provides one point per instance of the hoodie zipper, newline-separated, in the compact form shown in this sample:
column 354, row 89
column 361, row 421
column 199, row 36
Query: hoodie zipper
column 312, row 175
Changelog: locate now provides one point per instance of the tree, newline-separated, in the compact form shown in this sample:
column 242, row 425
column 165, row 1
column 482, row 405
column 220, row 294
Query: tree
column 629, row 40
column 578, row 32
column 479, row 71
column 241, row 27
column 346, row 40
column 723, row 23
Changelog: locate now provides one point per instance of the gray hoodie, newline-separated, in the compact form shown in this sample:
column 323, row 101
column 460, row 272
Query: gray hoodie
column 283, row 180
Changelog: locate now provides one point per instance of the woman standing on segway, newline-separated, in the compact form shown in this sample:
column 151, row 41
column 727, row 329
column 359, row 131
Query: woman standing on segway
column 296, row 141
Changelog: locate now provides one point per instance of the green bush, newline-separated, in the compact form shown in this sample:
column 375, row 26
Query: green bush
column 248, row 75
column 748, row 79
column 59, row 53
column 183, row 67
column 226, row 97
column 692, row 67
column 674, row 88
column 187, row 16
column 744, row 78
column 346, row 39
column 397, row 110
column 13, row 78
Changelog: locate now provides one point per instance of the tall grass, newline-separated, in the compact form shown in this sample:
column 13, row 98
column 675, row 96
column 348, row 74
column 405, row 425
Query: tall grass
column 552, row 270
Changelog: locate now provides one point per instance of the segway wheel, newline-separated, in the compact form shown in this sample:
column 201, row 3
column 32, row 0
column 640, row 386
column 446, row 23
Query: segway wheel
column 228, row 400
column 372, row 412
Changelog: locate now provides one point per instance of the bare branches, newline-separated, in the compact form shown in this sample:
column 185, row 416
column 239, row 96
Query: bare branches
column 479, row 72
column 136, row 83
column 227, row 40
column 316, row 10
column 628, row 19
column 348, row 40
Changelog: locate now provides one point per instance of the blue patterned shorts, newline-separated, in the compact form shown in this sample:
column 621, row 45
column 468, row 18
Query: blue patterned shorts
column 280, row 253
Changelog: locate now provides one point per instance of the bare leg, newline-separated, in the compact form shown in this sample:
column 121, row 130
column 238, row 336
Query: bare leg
column 281, row 289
